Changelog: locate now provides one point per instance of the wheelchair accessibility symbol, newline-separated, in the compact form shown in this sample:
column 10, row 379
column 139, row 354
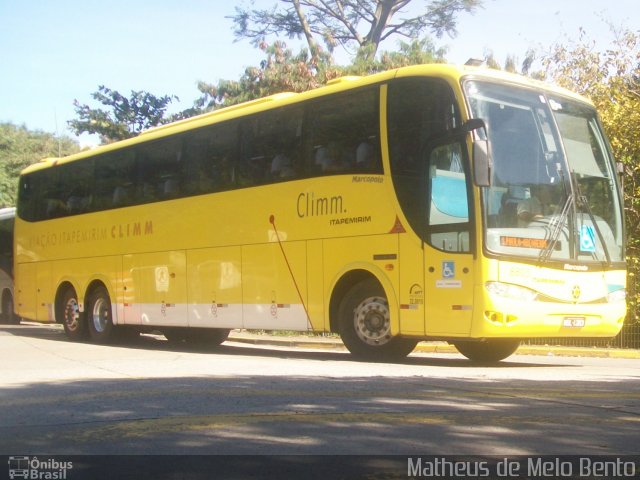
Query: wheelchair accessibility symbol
column 448, row 269
column 587, row 239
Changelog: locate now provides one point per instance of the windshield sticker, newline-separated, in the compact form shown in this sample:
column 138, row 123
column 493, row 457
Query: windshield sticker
column 448, row 276
column 448, row 269
column 587, row 239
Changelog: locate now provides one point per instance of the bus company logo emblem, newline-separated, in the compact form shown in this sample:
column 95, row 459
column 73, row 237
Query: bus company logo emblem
column 416, row 295
column 575, row 292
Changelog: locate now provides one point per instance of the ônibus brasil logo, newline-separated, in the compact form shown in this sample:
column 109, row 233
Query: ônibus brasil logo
column 36, row 469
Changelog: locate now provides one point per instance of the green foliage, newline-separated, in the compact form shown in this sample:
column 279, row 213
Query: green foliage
column 611, row 79
column 125, row 117
column 415, row 52
column 365, row 23
column 19, row 148
column 281, row 71
column 284, row 71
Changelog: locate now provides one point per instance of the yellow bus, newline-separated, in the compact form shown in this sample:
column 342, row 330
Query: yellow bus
column 430, row 202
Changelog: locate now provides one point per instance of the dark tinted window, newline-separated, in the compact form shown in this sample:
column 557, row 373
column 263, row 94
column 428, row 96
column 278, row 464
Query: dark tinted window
column 270, row 147
column 115, row 179
column 420, row 111
column 6, row 245
column 420, row 114
column 343, row 133
column 332, row 135
column 209, row 156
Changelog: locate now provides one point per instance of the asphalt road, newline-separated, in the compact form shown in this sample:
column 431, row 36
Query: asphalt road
column 146, row 397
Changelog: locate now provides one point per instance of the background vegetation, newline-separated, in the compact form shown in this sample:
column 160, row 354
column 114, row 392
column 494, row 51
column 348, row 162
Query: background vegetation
column 607, row 74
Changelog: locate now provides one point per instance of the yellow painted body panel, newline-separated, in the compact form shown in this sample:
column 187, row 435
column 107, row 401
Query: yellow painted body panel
column 547, row 318
column 214, row 277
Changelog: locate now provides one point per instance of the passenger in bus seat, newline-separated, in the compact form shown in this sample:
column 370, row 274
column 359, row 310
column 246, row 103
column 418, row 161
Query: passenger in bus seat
column 171, row 188
column 334, row 160
column 73, row 204
column 148, row 192
column 281, row 167
column 56, row 208
column 78, row 204
column 120, row 197
column 365, row 157
column 321, row 157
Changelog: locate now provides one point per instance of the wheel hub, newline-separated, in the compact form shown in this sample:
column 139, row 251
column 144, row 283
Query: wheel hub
column 71, row 314
column 100, row 315
column 372, row 321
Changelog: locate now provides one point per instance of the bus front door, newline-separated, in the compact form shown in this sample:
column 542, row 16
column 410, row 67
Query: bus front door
column 448, row 258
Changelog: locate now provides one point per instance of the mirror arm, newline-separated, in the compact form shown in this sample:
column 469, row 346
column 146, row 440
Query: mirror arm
column 482, row 158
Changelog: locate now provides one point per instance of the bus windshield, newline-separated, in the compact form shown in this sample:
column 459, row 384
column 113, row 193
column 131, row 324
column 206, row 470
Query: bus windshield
column 553, row 194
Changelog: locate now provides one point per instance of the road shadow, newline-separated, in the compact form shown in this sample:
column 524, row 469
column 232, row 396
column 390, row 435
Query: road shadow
column 305, row 414
column 238, row 348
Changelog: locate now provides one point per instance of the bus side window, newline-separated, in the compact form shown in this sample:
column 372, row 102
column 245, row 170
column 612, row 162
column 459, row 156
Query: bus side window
column 448, row 201
column 114, row 176
column 160, row 164
column 270, row 147
column 29, row 195
column 69, row 189
column 342, row 134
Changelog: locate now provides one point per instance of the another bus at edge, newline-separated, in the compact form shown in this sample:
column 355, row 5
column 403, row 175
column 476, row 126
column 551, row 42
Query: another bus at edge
column 432, row 202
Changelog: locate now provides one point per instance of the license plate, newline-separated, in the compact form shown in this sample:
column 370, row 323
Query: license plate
column 574, row 322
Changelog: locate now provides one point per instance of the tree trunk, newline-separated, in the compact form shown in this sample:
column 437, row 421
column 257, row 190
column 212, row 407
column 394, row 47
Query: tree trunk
column 313, row 46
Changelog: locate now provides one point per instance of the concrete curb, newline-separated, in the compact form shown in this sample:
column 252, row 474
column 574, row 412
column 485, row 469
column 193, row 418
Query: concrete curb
column 430, row 347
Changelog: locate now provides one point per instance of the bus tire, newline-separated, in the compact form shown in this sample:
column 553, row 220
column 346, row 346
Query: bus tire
column 99, row 316
column 365, row 324
column 73, row 321
column 488, row 351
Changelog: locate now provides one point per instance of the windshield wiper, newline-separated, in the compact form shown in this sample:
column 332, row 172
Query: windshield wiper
column 558, row 226
column 583, row 203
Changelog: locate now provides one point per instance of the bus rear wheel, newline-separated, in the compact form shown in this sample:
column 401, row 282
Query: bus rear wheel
column 365, row 324
column 73, row 320
column 488, row 351
column 100, row 321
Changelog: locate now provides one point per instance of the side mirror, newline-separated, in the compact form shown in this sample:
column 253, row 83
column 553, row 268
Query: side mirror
column 482, row 159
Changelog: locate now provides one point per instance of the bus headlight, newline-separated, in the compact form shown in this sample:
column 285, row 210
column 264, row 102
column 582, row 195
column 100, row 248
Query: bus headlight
column 617, row 296
column 513, row 292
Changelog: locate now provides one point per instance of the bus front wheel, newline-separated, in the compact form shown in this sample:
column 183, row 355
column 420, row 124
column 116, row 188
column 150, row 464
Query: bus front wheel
column 101, row 328
column 73, row 320
column 365, row 324
column 487, row 351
